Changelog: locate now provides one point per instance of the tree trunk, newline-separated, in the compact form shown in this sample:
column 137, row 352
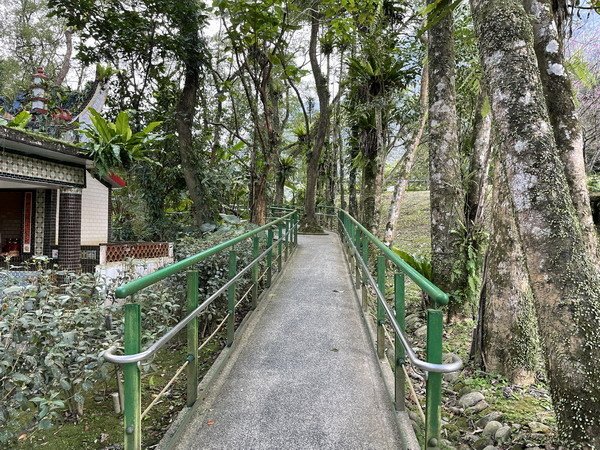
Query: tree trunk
column 409, row 159
column 66, row 63
column 258, row 211
column 475, row 197
column 332, row 175
column 479, row 164
column 564, row 279
column 446, row 193
column 279, row 183
column 322, row 87
column 560, row 100
column 508, row 342
column 185, row 112
column 337, row 137
column 370, row 171
column 352, row 195
column 380, row 158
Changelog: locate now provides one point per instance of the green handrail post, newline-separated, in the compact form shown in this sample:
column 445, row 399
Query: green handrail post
column 296, row 225
column 192, row 338
column 269, row 257
column 287, row 240
column 132, row 378
column 400, row 312
column 433, row 411
column 231, row 298
column 255, row 269
column 357, row 270
column 365, row 257
column 279, row 245
column 380, row 310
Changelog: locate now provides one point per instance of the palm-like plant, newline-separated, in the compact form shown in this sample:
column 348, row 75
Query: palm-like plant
column 114, row 146
column 380, row 73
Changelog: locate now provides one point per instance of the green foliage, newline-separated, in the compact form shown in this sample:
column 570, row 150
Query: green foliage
column 114, row 146
column 28, row 38
column 580, row 69
column 437, row 11
column 51, row 342
column 50, row 346
column 20, row 121
column 418, row 262
column 103, row 73
column 593, row 183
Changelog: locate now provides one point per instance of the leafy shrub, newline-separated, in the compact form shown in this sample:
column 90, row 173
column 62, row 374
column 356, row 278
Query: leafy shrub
column 50, row 344
column 213, row 272
column 418, row 262
column 52, row 335
column 51, row 340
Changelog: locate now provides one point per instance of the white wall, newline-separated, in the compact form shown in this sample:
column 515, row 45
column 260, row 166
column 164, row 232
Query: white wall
column 94, row 212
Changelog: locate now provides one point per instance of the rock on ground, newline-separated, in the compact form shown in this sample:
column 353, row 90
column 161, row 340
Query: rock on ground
column 470, row 399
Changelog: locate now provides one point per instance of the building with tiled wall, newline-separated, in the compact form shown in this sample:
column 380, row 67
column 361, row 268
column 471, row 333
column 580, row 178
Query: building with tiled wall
column 50, row 203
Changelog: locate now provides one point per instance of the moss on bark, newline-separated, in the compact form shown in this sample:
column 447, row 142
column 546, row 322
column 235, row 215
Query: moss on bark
column 564, row 279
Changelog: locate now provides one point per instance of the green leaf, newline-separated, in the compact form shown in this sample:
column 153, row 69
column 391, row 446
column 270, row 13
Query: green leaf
column 101, row 125
column 78, row 398
column 20, row 377
column 440, row 10
column 20, row 121
column 122, row 125
column 151, row 127
column 45, row 424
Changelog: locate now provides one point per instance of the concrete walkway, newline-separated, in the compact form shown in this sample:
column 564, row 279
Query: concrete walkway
column 304, row 375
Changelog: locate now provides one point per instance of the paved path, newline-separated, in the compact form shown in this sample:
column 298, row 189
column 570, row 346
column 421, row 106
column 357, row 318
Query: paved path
column 305, row 375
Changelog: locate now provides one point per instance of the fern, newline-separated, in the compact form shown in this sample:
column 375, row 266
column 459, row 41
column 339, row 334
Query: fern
column 418, row 262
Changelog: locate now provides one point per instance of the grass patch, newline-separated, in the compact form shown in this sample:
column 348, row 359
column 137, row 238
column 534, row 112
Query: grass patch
column 413, row 233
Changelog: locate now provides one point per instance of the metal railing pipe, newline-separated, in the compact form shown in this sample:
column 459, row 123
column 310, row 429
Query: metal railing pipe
column 435, row 293
column 137, row 285
column 410, row 353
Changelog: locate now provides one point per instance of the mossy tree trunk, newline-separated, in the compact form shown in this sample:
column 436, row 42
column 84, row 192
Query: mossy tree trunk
column 279, row 183
column 560, row 100
column 446, row 192
column 506, row 340
column 563, row 276
column 202, row 210
column 370, row 172
column 479, row 165
column 352, row 194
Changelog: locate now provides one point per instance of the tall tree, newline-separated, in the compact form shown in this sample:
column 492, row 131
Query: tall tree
column 138, row 39
column 322, row 131
column 257, row 35
column 446, row 191
column 188, row 18
column 408, row 160
column 564, row 279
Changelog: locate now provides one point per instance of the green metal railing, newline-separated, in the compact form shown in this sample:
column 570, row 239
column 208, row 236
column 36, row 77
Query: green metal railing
column 286, row 227
column 358, row 243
